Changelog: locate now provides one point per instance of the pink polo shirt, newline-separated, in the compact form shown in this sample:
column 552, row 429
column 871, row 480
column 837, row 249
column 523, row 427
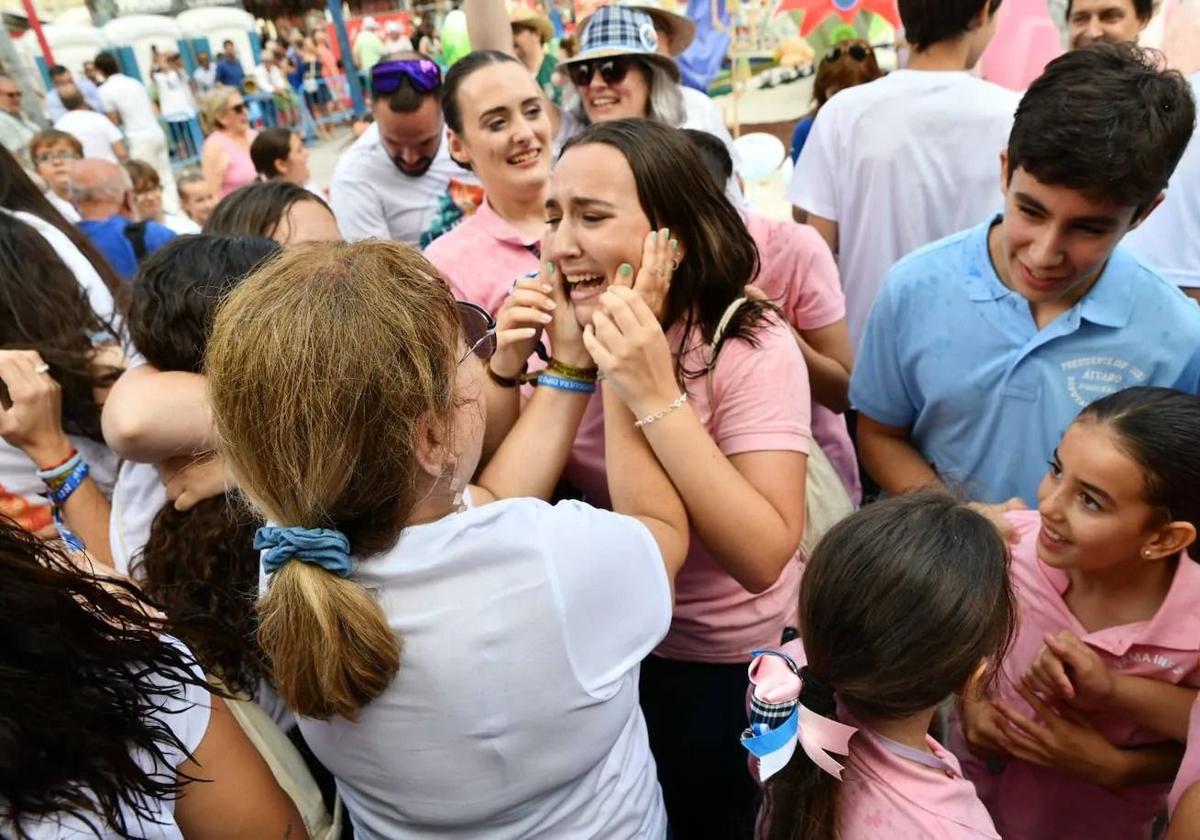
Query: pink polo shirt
column 799, row 275
column 1035, row 802
column 483, row 257
column 715, row 619
column 891, row 790
column 1189, row 770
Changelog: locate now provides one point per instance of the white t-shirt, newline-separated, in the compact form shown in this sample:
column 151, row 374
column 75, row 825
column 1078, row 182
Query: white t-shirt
column 63, row 206
column 129, row 99
column 1170, row 239
column 181, row 225
column 205, row 78
column 187, row 717
column 515, row 711
column 174, row 94
column 371, row 198
column 95, row 131
column 898, row 163
column 137, row 498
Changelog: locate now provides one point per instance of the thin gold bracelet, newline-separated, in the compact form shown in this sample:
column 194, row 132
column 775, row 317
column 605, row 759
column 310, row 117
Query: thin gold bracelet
column 658, row 415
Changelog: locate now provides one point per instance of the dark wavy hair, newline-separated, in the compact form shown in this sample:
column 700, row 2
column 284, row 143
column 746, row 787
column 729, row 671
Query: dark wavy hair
column 84, row 676
column 199, row 564
column 899, row 604
column 19, row 193
column 257, row 209
column 43, row 308
column 271, row 145
column 676, row 191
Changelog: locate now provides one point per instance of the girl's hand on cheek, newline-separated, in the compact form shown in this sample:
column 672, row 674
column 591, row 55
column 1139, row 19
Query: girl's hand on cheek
column 520, row 322
column 629, row 346
column 566, row 336
column 660, row 255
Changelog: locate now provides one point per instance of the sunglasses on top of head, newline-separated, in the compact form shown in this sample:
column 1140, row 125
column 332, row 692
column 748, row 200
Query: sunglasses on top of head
column 479, row 330
column 387, row 76
column 856, row 51
column 612, row 70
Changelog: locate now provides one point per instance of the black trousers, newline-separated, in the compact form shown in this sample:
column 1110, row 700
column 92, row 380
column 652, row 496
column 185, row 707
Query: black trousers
column 695, row 713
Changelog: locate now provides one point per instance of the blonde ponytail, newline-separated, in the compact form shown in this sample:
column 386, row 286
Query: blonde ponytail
column 320, row 366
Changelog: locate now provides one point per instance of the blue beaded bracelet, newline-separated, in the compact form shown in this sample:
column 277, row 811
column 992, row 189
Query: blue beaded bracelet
column 562, row 383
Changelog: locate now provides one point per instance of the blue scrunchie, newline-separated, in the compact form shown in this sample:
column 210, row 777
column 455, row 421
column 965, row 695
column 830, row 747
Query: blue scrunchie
column 323, row 547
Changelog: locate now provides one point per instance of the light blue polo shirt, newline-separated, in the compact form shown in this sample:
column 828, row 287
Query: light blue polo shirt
column 954, row 354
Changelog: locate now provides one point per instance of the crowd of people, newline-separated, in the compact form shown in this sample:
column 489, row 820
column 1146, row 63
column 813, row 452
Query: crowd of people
column 534, row 485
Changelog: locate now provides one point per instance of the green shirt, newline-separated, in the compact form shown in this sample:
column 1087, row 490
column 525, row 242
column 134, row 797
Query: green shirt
column 370, row 50
column 545, row 79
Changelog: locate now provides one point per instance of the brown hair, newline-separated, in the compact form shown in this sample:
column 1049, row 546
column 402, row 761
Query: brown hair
column 899, row 604
column 844, row 71
column 323, row 367
column 142, row 174
column 53, row 137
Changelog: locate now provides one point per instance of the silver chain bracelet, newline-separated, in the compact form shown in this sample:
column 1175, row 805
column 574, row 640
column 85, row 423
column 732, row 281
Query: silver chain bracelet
column 658, row 415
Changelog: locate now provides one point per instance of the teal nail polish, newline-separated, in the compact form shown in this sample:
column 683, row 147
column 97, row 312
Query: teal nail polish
column 666, row 233
column 653, row 236
column 549, row 267
column 626, row 270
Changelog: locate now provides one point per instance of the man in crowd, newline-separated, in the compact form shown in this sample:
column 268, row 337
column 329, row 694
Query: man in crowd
column 103, row 194
column 128, row 105
column 398, row 180
column 16, row 130
column 61, row 79
column 368, row 46
column 929, row 133
column 205, row 75
column 196, row 197
column 983, row 346
column 1093, row 21
column 229, row 69
column 531, row 31
column 100, row 138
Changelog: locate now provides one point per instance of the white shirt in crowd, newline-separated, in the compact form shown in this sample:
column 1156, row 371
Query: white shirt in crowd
column 174, row 94
column 898, row 163
column 180, row 224
column 1170, row 238
column 129, row 99
column 63, row 206
column 372, row 198
column 95, row 131
column 187, row 718
column 205, row 78
column 515, row 711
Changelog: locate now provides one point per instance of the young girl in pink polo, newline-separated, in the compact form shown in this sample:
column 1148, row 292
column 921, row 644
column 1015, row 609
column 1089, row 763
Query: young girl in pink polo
column 902, row 604
column 1081, row 736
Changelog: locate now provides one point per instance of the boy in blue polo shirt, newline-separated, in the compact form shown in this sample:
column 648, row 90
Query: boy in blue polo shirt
column 982, row 347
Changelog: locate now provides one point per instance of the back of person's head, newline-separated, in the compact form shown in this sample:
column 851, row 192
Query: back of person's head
column 71, row 98
column 19, row 193
column 1106, row 120
column 43, row 307
column 458, row 73
column 1159, row 428
column 106, row 63
column 53, row 137
column 257, row 209
column 900, row 605
column 143, row 175
column 714, row 153
column 847, row 63
column 324, row 367
column 929, row 22
column 271, row 145
column 99, row 182
column 199, row 565
column 675, row 191
column 86, row 676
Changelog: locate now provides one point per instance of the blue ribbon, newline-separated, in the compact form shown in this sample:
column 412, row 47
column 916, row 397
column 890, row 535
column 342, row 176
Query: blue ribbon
column 322, row 547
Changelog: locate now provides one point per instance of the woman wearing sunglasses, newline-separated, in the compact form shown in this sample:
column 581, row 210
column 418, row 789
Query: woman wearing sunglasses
column 848, row 63
column 465, row 666
column 225, row 156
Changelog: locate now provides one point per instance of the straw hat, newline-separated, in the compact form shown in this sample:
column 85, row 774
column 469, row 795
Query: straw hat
column 524, row 16
column 680, row 28
column 617, row 30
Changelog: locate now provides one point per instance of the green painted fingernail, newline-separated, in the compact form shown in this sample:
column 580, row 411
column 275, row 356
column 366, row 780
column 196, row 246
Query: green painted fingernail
column 626, row 270
column 549, row 266
column 666, row 233
column 674, row 244
column 653, row 236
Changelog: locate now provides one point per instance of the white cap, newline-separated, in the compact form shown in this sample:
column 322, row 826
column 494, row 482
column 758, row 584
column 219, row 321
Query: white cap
column 393, row 28
column 370, row 23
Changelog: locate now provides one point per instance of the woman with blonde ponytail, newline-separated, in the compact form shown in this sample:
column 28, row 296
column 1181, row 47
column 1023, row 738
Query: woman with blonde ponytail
column 451, row 657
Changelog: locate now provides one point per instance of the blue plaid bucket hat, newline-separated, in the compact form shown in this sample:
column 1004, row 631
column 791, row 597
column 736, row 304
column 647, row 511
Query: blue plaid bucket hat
column 617, row 30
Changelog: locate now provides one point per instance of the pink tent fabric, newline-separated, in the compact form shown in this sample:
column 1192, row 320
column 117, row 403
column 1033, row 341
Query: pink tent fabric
column 1026, row 40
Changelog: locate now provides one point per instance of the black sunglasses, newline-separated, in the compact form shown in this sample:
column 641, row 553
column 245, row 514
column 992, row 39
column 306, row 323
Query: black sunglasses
column 856, row 51
column 239, row 108
column 479, row 330
column 612, row 70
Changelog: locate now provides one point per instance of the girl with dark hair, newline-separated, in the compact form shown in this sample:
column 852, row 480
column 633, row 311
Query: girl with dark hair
column 278, row 209
column 109, row 726
column 1080, row 735
column 849, row 62
column 498, row 126
column 447, row 646
column 903, row 604
column 280, row 153
column 633, row 198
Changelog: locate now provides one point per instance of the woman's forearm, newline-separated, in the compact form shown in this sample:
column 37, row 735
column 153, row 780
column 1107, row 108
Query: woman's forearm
column 751, row 538
column 152, row 415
